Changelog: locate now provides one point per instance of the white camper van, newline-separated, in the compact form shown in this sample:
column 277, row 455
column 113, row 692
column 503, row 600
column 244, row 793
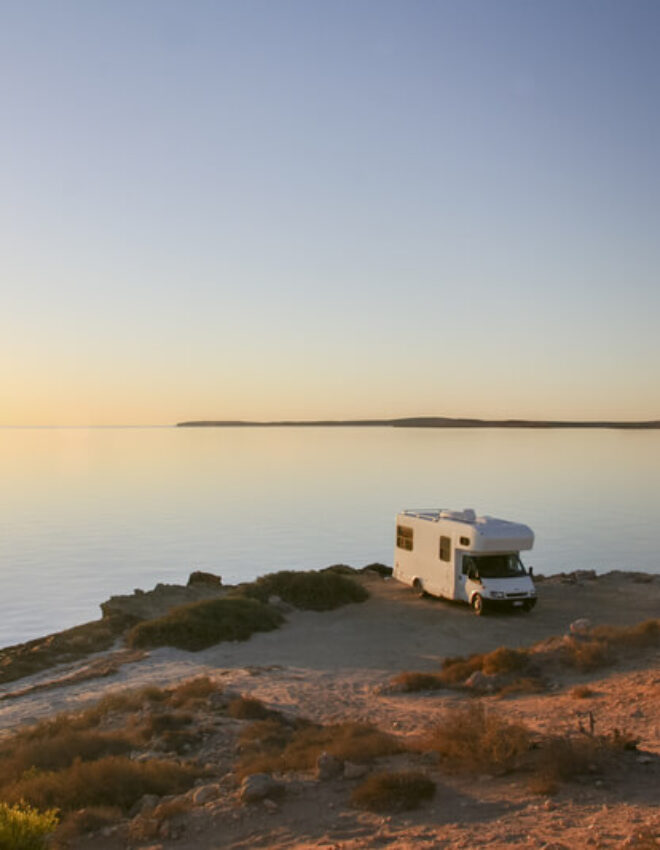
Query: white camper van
column 458, row 555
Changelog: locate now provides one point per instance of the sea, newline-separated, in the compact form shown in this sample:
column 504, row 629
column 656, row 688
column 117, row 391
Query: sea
column 86, row 513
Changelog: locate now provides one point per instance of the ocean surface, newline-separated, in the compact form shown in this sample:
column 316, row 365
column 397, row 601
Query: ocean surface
column 87, row 513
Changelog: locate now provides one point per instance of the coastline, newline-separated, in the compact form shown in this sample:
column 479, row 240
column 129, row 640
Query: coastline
column 424, row 422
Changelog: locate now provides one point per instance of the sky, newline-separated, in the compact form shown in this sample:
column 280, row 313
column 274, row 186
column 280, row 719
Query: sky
column 266, row 209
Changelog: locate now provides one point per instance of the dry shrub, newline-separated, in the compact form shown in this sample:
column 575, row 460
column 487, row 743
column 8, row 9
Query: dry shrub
column 84, row 821
column 199, row 625
column 522, row 685
column 504, row 660
column 582, row 692
column 110, row 781
column 409, row 682
column 456, row 670
column 247, row 708
column 45, row 752
column 193, row 691
column 166, row 721
column 120, row 702
column 271, row 746
column 147, row 825
column 473, row 740
column 586, row 655
column 640, row 636
column 559, row 760
column 386, row 792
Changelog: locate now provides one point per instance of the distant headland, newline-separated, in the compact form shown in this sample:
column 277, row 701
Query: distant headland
column 419, row 422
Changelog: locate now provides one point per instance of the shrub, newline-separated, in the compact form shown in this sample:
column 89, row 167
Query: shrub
column 25, row 828
column 84, row 821
column 471, row 739
column 586, row 655
column 166, row 721
column 456, row 670
column 192, row 691
column 270, row 746
column 110, row 781
column 310, row 590
column 383, row 792
column 522, row 685
column 202, row 624
column 23, row 751
column 246, row 708
column 504, row 660
column 582, row 692
column 408, row 682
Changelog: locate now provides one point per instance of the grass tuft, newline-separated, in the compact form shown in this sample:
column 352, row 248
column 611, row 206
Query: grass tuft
column 472, row 740
column 110, row 781
column 386, row 792
column 411, row 681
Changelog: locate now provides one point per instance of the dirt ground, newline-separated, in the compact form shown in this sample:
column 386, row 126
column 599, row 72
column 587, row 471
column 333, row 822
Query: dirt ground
column 333, row 667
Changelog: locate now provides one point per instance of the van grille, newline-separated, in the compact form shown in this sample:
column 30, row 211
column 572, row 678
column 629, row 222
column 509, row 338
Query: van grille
column 515, row 595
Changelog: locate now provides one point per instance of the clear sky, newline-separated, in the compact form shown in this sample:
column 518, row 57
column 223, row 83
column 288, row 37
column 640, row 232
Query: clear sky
column 328, row 208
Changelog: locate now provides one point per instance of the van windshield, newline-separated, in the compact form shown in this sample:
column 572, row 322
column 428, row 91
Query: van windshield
column 494, row 566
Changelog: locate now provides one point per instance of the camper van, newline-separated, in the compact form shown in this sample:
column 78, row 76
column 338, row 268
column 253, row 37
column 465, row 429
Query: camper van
column 459, row 555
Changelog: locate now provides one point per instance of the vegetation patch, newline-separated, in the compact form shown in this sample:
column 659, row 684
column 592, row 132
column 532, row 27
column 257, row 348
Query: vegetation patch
column 110, row 781
column 247, row 708
column 387, row 792
column 411, row 681
column 472, row 740
column 314, row 591
column 199, row 625
column 25, row 828
column 273, row 746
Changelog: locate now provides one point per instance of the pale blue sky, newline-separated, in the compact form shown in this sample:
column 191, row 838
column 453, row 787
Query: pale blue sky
column 277, row 208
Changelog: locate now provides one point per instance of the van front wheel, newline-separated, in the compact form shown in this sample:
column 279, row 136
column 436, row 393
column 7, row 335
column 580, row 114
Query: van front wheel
column 478, row 604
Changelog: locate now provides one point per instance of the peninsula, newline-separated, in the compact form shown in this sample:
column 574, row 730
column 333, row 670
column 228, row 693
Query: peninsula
column 419, row 422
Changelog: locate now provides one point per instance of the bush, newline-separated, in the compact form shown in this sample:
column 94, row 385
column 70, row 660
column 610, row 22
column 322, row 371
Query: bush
column 582, row 692
column 383, row 792
column 408, row 682
column 271, row 746
column 309, row 590
column 199, row 625
column 110, row 781
column 22, row 751
column 25, row 828
column 192, row 691
column 586, row 655
column 475, row 741
column 245, row 708
column 84, row 821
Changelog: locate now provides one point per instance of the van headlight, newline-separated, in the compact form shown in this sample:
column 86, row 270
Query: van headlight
column 496, row 594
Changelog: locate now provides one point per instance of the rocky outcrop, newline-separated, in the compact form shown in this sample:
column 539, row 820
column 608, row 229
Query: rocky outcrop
column 141, row 605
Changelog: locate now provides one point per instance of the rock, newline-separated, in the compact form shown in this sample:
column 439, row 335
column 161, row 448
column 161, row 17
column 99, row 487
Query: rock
column 580, row 627
column 479, row 681
column 277, row 602
column 206, row 793
column 328, row 767
column 200, row 577
column 549, row 806
column 145, row 804
column 259, row 786
column 644, row 759
column 271, row 806
column 354, row 771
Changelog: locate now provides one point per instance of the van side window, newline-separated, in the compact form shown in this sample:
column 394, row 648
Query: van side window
column 404, row 537
column 465, row 541
column 445, row 548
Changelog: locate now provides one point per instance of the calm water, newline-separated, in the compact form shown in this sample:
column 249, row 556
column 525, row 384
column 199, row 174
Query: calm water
column 88, row 513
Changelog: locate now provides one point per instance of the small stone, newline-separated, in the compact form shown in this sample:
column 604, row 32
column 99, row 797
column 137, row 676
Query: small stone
column 328, row 767
column 258, row 786
column 354, row 771
column 270, row 806
column 644, row 759
column 205, row 793
column 580, row 627
column 549, row 806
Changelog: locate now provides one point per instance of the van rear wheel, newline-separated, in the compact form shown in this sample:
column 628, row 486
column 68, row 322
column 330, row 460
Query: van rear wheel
column 418, row 587
column 478, row 604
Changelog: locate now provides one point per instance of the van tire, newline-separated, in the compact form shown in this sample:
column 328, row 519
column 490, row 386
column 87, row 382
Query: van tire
column 478, row 604
column 418, row 587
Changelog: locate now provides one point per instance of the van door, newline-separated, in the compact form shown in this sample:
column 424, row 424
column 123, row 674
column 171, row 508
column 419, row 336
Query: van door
column 462, row 591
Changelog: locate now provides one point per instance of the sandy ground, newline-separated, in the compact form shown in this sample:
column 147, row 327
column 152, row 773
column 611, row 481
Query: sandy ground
column 332, row 666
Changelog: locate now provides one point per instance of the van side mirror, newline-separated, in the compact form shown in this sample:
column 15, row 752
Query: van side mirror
column 473, row 574
column 530, row 570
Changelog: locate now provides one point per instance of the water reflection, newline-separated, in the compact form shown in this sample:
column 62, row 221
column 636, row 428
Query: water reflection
column 87, row 513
